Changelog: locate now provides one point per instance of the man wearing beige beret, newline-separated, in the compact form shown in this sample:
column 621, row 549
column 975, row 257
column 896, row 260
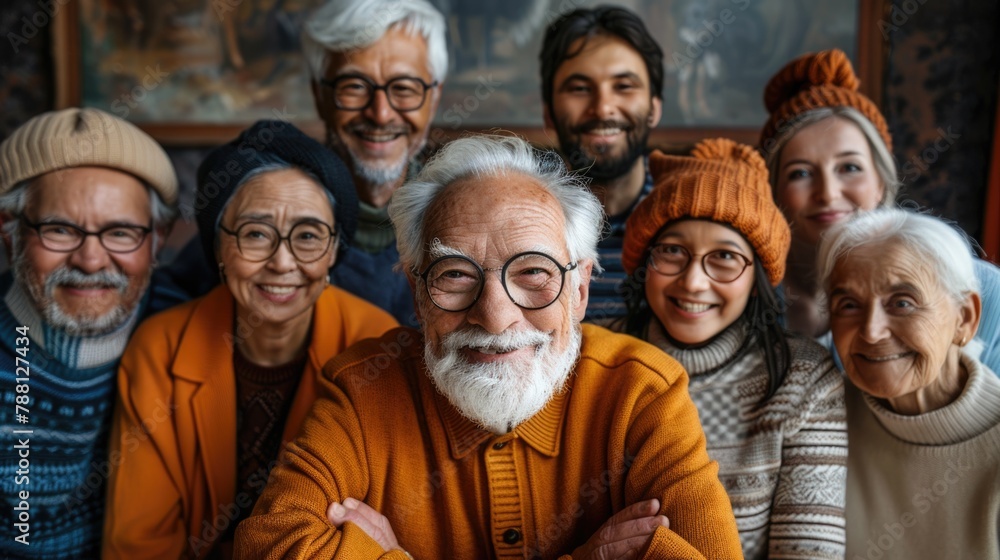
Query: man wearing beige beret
column 86, row 200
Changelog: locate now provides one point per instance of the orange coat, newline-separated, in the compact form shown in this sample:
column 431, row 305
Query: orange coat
column 623, row 430
column 171, row 490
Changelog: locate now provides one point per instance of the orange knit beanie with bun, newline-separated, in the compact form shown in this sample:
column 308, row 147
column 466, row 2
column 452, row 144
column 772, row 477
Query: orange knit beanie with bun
column 722, row 181
column 823, row 79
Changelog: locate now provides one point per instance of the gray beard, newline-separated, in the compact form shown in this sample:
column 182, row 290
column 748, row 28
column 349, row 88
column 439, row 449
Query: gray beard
column 379, row 177
column 44, row 300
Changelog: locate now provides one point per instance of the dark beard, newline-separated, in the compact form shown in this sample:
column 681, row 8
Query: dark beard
column 596, row 167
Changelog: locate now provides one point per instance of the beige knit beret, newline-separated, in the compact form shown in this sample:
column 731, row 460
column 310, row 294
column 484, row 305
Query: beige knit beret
column 81, row 137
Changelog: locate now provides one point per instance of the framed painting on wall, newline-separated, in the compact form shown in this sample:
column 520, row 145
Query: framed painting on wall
column 195, row 72
column 192, row 72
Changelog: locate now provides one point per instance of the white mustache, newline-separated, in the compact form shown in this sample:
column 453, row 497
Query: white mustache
column 507, row 340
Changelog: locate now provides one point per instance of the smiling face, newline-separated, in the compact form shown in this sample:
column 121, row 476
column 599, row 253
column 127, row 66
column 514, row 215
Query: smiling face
column 280, row 290
column 496, row 362
column 89, row 290
column 602, row 107
column 692, row 307
column 825, row 175
column 896, row 330
column 378, row 142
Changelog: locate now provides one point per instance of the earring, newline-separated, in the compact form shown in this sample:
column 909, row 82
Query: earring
column 963, row 341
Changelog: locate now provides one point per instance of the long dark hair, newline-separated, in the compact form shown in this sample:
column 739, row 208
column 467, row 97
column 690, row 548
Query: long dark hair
column 763, row 314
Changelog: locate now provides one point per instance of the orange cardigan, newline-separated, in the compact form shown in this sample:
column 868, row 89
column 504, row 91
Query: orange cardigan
column 624, row 430
column 171, row 491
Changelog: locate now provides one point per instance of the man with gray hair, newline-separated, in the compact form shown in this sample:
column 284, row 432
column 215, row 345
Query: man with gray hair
column 86, row 200
column 504, row 427
column 377, row 68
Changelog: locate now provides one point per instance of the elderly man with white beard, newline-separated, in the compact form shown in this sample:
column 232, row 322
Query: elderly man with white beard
column 86, row 200
column 503, row 428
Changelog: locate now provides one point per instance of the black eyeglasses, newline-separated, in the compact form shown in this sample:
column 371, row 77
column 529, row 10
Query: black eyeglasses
column 532, row 280
column 258, row 241
column 63, row 237
column 722, row 265
column 355, row 93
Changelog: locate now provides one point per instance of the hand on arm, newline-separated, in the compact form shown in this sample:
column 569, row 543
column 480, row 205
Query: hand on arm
column 373, row 523
column 625, row 534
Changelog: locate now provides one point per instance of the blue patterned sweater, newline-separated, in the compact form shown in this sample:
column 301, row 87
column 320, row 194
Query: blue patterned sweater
column 68, row 419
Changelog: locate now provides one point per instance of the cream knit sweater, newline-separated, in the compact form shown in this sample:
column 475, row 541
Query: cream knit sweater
column 783, row 462
column 926, row 486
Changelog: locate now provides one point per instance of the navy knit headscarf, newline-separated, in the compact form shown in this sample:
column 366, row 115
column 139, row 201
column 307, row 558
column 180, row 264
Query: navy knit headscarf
column 262, row 145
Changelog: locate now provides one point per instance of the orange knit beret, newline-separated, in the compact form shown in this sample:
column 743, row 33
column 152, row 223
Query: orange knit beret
column 823, row 79
column 721, row 181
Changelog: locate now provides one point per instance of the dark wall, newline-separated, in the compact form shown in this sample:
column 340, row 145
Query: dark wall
column 940, row 95
column 940, row 100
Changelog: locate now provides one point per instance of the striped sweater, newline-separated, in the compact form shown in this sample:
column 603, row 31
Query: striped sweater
column 783, row 462
column 607, row 289
column 59, row 455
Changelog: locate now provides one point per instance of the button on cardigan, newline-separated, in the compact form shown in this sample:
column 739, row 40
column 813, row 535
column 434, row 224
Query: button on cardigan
column 623, row 430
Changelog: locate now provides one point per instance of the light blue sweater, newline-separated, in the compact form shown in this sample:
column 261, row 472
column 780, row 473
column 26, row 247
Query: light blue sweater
column 989, row 324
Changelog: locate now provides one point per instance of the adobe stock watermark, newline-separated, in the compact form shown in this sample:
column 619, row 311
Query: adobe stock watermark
column 231, row 512
column 922, row 161
column 704, row 38
column 126, row 102
column 458, row 112
column 899, row 16
column 590, row 492
column 456, row 115
column 31, row 26
column 219, row 179
column 923, row 501
column 131, row 440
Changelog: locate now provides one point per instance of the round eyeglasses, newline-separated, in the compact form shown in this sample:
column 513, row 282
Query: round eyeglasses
column 532, row 280
column 355, row 93
column 63, row 237
column 722, row 265
column 309, row 241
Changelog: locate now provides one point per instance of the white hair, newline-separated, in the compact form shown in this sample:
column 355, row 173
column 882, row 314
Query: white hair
column 495, row 156
column 943, row 247
column 885, row 166
column 346, row 25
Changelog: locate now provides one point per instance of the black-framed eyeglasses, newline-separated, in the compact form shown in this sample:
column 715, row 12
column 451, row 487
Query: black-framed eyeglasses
column 63, row 237
column 722, row 266
column 308, row 240
column 532, row 280
column 355, row 93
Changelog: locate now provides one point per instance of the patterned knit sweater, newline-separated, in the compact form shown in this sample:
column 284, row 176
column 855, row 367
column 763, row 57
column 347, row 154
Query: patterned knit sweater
column 59, row 456
column 783, row 462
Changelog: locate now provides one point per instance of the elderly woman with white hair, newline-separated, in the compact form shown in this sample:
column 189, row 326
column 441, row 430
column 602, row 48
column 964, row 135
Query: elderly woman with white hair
column 923, row 411
column 829, row 154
